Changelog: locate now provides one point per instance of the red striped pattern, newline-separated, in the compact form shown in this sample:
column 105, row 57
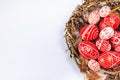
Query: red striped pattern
column 89, row 32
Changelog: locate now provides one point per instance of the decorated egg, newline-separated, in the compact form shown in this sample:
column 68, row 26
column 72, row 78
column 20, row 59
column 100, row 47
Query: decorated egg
column 88, row 50
column 117, row 47
column 104, row 11
column 89, row 32
column 110, row 21
column 109, row 59
column 106, row 33
column 94, row 65
column 103, row 45
column 94, row 17
column 116, row 38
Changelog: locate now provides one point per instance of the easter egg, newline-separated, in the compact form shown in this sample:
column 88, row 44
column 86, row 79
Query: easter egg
column 89, row 32
column 116, row 38
column 106, row 33
column 94, row 17
column 88, row 50
column 111, row 20
column 104, row 11
column 103, row 45
column 94, row 65
column 117, row 48
column 109, row 59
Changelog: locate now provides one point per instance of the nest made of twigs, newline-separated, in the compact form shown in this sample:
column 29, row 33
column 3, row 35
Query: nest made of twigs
column 73, row 27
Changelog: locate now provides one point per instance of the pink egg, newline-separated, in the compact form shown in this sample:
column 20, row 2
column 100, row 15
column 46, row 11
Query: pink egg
column 94, row 17
column 106, row 33
column 94, row 65
column 104, row 11
column 116, row 38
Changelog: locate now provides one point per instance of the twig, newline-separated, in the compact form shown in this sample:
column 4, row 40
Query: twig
column 108, row 72
column 113, row 10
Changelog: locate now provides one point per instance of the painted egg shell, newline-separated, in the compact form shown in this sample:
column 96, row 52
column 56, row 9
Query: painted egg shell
column 116, row 38
column 104, row 11
column 109, row 59
column 89, row 32
column 88, row 50
column 94, row 17
column 103, row 45
column 116, row 47
column 110, row 21
column 94, row 65
column 106, row 33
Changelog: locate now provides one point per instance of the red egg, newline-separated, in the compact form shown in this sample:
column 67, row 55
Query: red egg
column 89, row 32
column 103, row 45
column 109, row 59
column 110, row 21
column 94, row 65
column 106, row 33
column 94, row 17
column 117, row 48
column 116, row 38
column 88, row 50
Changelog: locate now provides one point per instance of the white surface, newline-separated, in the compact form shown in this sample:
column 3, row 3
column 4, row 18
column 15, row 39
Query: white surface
column 32, row 45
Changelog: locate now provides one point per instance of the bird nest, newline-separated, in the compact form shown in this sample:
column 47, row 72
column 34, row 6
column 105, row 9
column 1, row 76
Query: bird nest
column 77, row 21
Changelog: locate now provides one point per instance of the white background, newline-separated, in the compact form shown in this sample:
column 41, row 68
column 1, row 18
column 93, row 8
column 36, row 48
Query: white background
column 32, row 45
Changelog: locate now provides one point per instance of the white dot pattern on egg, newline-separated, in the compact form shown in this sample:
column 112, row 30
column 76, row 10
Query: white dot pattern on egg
column 104, row 11
column 94, row 65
